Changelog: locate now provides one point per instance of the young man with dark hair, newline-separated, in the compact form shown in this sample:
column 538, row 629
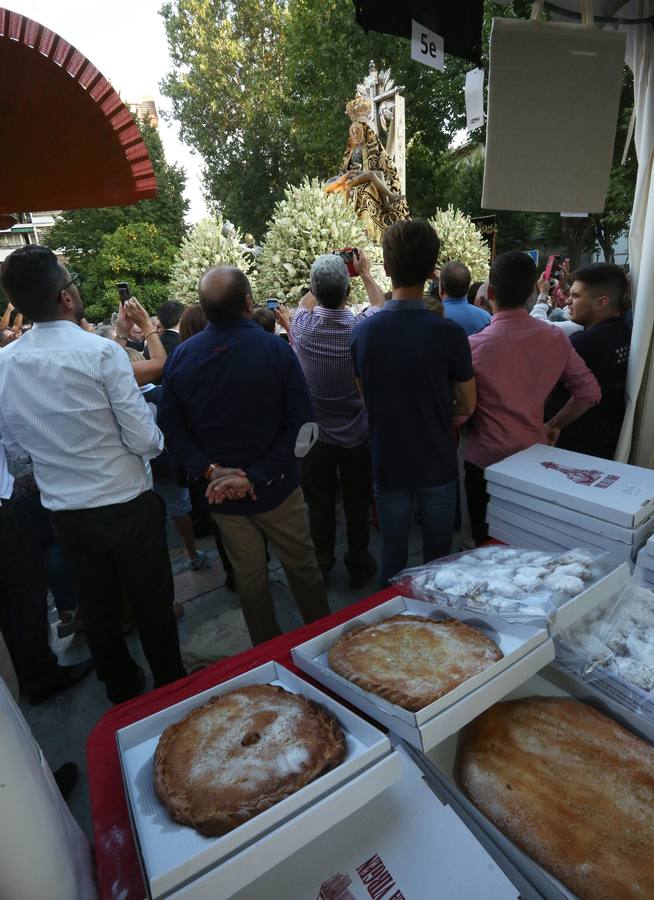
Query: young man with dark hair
column 416, row 374
column 70, row 400
column 517, row 361
column 321, row 333
column 234, row 396
column 264, row 317
column 596, row 302
column 454, row 286
column 169, row 315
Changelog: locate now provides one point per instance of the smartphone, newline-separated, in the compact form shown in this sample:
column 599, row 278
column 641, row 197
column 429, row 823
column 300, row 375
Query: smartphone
column 347, row 255
column 123, row 291
column 547, row 274
column 272, row 304
column 556, row 268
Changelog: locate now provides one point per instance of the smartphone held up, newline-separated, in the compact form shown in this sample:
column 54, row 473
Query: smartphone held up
column 347, row 255
column 123, row 292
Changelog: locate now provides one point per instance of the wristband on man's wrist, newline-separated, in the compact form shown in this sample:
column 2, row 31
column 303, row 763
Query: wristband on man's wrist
column 208, row 472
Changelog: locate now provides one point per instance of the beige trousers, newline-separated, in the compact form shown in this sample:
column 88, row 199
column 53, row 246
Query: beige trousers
column 287, row 530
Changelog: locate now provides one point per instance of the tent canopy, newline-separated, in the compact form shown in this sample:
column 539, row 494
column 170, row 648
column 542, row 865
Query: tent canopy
column 68, row 140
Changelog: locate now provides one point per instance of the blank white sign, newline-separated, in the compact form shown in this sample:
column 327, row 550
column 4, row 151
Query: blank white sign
column 553, row 98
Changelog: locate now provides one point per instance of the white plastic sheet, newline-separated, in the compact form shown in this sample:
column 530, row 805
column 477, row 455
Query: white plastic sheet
column 43, row 852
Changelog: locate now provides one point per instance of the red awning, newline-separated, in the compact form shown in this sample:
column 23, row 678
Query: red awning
column 66, row 138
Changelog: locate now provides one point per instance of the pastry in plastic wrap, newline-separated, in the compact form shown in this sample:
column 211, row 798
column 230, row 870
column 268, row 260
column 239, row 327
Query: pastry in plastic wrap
column 516, row 584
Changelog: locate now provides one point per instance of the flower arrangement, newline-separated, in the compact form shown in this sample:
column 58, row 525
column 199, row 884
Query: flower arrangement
column 210, row 243
column 304, row 224
column 462, row 242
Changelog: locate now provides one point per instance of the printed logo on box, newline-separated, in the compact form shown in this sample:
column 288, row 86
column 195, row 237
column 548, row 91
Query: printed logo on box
column 632, row 489
column 378, row 882
column 585, row 477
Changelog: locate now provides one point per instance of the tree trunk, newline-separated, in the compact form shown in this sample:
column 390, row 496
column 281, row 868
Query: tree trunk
column 605, row 240
column 578, row 235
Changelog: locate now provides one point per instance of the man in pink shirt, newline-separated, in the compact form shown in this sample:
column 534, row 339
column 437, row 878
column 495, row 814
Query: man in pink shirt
column 517, row 361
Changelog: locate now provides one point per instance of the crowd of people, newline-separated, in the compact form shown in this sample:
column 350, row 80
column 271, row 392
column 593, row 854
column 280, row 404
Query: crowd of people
column 205, row 413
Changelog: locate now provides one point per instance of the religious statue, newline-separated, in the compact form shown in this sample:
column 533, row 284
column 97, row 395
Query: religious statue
column 368, row 175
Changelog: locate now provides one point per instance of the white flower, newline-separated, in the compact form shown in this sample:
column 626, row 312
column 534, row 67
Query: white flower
column 462, row 242
column 206, row 246
column 306, row 223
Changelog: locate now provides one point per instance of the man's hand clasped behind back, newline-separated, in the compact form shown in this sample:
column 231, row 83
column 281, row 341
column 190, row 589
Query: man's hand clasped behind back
column 229, row 484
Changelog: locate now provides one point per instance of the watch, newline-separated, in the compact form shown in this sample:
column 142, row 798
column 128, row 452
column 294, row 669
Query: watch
column 208, row 472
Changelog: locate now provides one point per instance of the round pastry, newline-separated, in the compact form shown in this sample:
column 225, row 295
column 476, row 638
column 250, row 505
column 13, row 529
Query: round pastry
column 571, row 788
column 241, row 753
column 412, row 660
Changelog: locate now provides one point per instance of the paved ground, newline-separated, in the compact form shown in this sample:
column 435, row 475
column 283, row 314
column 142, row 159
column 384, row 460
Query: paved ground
column 212, row 622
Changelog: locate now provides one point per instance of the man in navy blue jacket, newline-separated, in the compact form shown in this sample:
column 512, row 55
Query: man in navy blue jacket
column 234, row 402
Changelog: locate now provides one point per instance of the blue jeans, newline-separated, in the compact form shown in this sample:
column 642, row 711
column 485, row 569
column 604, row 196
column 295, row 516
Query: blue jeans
column 60, row 580
column 437, row 506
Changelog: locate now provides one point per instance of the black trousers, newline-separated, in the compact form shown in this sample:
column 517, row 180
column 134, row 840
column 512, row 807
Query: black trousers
column 477, row 498
column 320, row 470
column 24, row 597
column 115, row 550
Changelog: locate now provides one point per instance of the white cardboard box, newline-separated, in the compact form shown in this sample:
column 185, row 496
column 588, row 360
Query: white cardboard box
column 406, row 843
column 439, row 765
column 526, row 649
column 173, row 855
column 504, row 532
column 646, row 561
column 602, row 488
column 562, row 514
column 569, row 535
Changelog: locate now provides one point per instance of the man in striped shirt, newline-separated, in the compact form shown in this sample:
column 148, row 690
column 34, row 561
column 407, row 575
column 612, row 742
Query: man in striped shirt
column 320, row 334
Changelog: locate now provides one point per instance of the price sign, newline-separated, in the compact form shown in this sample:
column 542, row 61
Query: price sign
column 426, row 46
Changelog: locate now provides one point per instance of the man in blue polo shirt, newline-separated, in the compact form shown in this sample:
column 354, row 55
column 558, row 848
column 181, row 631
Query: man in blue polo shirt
column 234, row 410
column 415, row 371
column 454, row 285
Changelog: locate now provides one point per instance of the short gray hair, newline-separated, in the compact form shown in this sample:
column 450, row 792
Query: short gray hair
column 330, row 283
column 105, row 331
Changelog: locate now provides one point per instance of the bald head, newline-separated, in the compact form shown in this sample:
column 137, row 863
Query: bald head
column 454, row 280
column 225, row 294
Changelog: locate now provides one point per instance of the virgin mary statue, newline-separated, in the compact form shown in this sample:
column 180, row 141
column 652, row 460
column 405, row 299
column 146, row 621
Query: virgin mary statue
column 368, row 174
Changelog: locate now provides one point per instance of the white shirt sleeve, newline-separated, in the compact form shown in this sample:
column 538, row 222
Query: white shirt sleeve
column 135, row 420
column 8, row 442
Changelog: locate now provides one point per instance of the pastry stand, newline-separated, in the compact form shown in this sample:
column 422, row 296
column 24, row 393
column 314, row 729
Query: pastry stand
column 119, row 874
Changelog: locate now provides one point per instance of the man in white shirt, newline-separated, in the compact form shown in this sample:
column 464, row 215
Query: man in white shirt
column 70, row 400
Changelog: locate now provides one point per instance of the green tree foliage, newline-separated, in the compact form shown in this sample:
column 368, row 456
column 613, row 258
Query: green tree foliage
column 463, row 187
column 227, row 87
column 138, row 253
column 259, row 88
column 80, row 233
column 611, row 223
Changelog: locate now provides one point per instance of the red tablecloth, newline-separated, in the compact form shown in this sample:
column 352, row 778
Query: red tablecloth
column 119, row 873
